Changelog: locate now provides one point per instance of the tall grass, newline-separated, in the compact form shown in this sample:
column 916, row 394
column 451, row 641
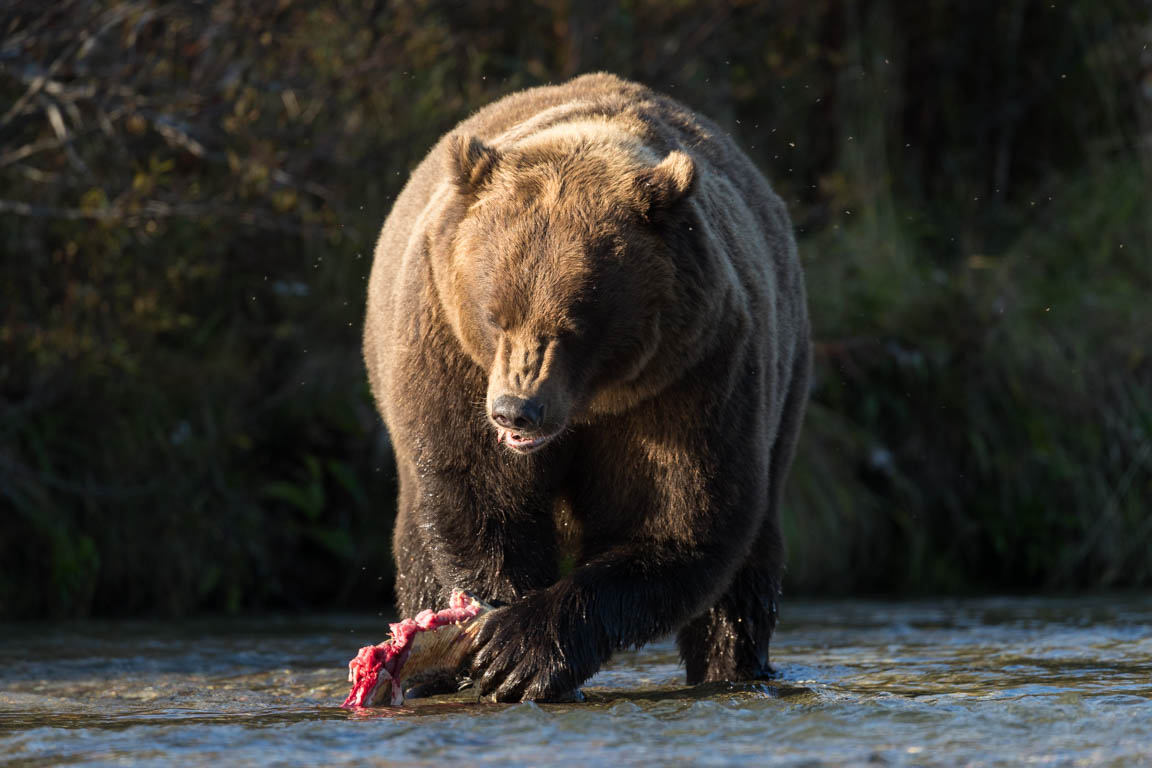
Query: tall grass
column 981, row 411
column 985, row 425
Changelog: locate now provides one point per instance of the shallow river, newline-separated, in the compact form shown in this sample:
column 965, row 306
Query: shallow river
column 985, row 682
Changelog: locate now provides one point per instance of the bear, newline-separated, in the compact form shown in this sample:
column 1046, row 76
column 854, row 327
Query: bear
column 587, row 336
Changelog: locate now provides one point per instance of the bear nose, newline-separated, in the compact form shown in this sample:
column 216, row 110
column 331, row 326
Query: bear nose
column 511, row 412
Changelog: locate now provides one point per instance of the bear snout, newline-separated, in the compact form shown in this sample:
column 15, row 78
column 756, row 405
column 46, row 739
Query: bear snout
column 511, row 412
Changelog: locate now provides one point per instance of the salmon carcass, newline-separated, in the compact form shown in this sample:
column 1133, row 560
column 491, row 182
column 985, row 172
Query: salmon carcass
column 433, row 641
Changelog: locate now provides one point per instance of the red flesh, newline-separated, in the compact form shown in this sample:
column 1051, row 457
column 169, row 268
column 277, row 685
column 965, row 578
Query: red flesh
column 364, row 671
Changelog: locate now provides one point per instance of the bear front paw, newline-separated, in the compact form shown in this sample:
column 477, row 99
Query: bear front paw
column 519, row 654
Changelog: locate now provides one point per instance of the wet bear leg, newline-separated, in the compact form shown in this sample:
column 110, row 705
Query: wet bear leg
column 730, row 640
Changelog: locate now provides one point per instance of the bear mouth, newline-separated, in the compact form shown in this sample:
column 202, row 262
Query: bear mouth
column 522, row 443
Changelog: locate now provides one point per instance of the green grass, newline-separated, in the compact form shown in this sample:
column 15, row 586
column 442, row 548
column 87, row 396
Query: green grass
column 985, row 422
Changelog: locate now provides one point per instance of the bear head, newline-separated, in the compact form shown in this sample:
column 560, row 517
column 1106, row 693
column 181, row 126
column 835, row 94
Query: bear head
column 559, row 270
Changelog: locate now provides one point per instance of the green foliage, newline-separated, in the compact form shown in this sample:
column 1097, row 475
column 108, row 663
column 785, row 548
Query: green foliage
column 189, row 194
column 988, row 426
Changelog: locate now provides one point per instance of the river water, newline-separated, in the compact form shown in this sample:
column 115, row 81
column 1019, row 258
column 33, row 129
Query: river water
column 942, row 682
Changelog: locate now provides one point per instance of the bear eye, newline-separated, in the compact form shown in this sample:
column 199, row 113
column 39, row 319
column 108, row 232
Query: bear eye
column 496, row 321
column 571, row 329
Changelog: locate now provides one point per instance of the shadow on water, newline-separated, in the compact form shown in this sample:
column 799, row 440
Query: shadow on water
column 595, row 699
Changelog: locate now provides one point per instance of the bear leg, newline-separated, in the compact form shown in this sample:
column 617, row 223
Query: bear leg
column 417, row 586
column 730, row 640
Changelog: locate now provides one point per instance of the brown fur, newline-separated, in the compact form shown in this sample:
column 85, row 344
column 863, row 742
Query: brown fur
column 602, row 252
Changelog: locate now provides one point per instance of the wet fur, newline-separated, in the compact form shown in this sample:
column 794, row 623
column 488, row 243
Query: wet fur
column 604, row 249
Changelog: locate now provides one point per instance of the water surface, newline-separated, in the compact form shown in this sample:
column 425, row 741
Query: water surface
column 986, row 682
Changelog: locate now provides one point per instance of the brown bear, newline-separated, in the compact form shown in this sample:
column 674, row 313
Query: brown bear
column 586, row 332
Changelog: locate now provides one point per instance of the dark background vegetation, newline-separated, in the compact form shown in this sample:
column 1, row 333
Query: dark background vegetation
column 190, row 191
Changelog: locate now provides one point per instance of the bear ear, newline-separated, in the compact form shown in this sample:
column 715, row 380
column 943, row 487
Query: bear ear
column 670, row 181
column 470, row 161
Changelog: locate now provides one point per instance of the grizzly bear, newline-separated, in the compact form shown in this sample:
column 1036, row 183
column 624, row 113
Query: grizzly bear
column 587, row 335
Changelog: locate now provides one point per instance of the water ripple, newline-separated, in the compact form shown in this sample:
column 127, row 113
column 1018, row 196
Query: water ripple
column 991, row 682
